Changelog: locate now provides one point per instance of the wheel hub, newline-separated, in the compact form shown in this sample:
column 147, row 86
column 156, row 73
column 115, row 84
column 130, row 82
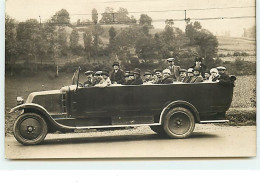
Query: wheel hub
column 179, row 123
column 30, row 128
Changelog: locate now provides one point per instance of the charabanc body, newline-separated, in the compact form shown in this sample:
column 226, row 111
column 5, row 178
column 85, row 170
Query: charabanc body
column 171, row 109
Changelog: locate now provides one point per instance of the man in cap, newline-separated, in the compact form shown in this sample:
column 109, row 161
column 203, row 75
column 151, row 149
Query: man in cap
column 183, row 74
column 138, row 80
column 147, row 77
column 158, row 74
column 198, row 64
column 166, row 77
column 197, row 76
column 89, row 81
column 117, row 76
column 126, row 76
column 223, row 77
column 105, row 81
column 189, row 76
column 214, row 76
column 175, row 70
column 131, row 78
column 97, row 77
column 207, row 75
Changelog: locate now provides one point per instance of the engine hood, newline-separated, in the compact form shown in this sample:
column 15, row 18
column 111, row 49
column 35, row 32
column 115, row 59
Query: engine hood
column 50, row 100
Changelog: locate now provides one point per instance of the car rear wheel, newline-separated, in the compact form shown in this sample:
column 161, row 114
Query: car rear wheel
column 30, row 129
column 179, row 123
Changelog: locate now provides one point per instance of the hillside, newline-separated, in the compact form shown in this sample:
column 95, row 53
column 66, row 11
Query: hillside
column 227, row 45
column 236, row 44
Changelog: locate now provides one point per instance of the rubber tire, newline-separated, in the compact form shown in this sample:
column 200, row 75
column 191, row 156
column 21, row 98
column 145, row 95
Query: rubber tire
column 171, row 113
column 158, row 129
column 20, row 138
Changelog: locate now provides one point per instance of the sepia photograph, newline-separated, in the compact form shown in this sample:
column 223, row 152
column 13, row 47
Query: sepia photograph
column 129, row 79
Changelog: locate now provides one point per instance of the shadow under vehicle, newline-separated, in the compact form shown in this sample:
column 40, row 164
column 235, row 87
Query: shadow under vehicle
column 169, row 109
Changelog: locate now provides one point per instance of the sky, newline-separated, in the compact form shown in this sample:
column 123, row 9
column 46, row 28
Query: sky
column 22, row 10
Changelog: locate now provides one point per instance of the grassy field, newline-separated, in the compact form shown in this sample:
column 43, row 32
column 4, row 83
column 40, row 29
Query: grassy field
column 17, row 86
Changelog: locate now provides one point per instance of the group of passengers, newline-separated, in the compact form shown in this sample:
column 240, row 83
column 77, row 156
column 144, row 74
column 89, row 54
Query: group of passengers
column 173, row 74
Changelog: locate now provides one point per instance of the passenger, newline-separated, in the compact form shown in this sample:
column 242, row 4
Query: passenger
column 198, row 64
column 214, row 76
column 138, row 80
column 223, row 77
column 183, row 74
column 126, row 78
column 105, row 81
column 158, row 77
column 207, row 75
column 89, row 77
column 117, row 76
column 197, row 76
column 131, row 78
column 147, row 78
column 175, row 70
column 189, row 76
column 97, row 78
column 167, row 78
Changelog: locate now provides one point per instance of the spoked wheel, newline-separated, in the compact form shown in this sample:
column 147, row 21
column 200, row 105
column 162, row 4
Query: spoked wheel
column 30, row 129
column 179, row 123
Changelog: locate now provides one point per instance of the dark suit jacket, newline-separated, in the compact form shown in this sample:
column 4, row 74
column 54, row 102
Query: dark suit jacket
column 202, row 69
column 117, row 77
column 196, row 79
column 175, row 72
column 167, row 80
column 137, row 81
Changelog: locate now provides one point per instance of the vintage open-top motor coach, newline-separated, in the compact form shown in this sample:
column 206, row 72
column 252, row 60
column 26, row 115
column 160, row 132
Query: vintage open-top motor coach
column 169, row 109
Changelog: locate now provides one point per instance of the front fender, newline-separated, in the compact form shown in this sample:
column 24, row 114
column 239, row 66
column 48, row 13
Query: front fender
column 29, row 106
column 40, row 109
column 183, row 104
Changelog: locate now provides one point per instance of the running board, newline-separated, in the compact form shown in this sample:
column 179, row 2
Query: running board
column 214, row 121
column 115, row 126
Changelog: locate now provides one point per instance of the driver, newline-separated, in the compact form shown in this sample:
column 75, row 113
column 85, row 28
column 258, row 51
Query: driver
column 89, row 80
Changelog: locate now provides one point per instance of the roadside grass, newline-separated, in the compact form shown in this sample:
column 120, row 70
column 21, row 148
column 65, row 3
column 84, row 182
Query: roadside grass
column 240, row 113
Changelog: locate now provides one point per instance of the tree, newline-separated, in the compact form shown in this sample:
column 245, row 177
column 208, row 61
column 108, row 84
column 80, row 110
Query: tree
column 94, row 16
column 169, row 22
column 145, row 48
column 87, row 38
column 112, row 35
column 74, row 41
column 28, row 37
column 61, row 17
column 145, row 20
column 10, row 40
column 121, row 16
column 107, row 16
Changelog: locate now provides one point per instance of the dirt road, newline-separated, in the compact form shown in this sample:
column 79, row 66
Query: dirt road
column 206, row 141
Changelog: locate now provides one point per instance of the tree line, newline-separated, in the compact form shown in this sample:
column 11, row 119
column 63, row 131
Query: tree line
column 134, row 44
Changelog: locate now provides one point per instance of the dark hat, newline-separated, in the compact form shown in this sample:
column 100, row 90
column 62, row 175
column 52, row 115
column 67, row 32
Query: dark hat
column 105, row 73
column 137, row 71
column 170, row 59
column 147, row 73
column 115, row 64
column 196, row 69
column 198, row 59
column 190, row 70
column 183, row 70
column 88, row 72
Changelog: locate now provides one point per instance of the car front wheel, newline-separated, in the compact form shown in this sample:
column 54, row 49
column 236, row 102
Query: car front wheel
column 30, row 129
column 179, row 123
